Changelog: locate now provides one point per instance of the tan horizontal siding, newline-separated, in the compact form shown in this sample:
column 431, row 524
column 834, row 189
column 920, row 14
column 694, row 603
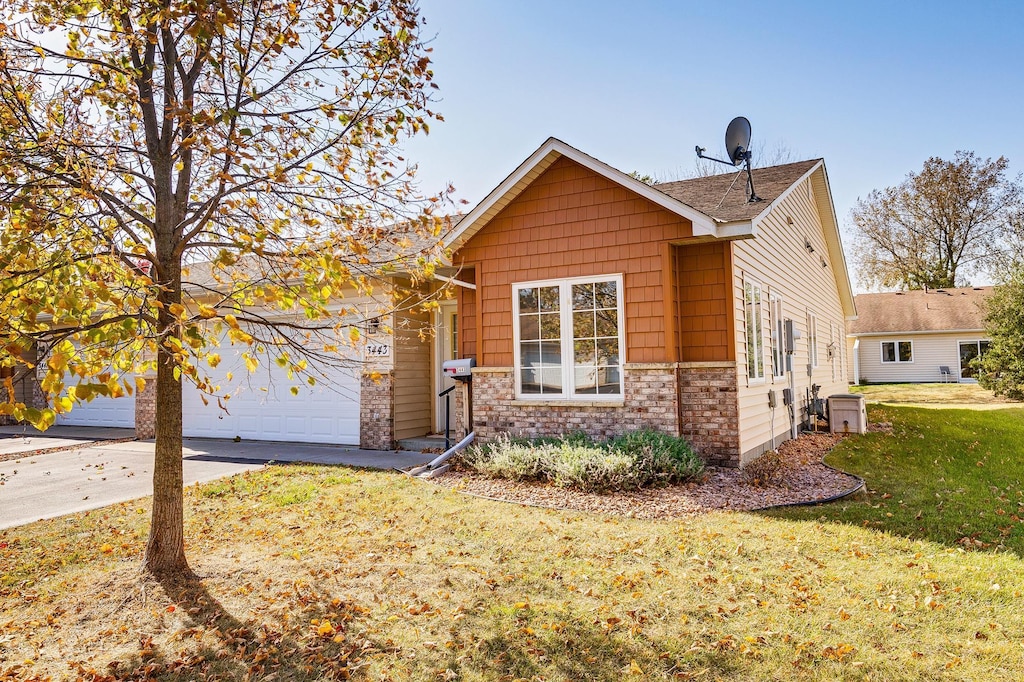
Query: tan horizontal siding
column 412, row 388
column 779, row 261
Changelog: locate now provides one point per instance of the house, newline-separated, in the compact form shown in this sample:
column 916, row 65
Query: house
column 909, row 336
column 589, row 301
column 592, row 301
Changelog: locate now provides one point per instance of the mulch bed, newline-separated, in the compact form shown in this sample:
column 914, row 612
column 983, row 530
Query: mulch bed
column 802, row 478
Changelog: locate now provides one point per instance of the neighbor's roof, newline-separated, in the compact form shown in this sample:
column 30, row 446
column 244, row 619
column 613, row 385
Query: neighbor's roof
column 934, row 310
column 724, row 197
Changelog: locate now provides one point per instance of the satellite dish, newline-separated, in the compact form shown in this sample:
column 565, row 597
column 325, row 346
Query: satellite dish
column 737, row 140
column 737, row 144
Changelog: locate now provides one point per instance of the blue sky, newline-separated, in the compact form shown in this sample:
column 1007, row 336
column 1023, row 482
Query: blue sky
column 874, row 88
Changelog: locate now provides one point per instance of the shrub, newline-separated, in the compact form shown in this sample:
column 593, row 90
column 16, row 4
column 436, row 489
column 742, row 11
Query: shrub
column 513, row 458
column 591, row 468
column 635, row 460
column 763, row 470
column 660, row 458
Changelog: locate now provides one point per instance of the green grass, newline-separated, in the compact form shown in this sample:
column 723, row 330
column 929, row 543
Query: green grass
column 951, row 476
column 374, row 576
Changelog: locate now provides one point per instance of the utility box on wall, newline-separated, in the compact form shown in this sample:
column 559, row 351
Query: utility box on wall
column 847, row 414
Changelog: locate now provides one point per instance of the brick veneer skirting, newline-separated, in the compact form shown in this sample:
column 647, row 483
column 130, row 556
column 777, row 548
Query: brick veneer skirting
column 461, row 394
column 145, row 410
column 695, row 400
column 709, row 415
column 376, row 412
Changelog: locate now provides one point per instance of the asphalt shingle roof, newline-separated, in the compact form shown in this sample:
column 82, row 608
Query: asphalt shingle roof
column 724, row 197
column 919, row 310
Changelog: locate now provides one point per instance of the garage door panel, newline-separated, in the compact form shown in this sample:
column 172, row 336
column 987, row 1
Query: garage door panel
column 100, row 411
column 261, row 406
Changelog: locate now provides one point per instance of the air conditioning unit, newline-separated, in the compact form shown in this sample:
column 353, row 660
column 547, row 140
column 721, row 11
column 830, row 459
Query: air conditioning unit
column 847, row 414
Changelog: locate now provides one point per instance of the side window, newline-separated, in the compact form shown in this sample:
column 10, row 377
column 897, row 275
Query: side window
column 897, row 351
column 812, row 339
column 778, row 335
column 755, row 341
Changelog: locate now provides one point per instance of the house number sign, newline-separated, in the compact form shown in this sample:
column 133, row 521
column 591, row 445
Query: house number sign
column 377, row 350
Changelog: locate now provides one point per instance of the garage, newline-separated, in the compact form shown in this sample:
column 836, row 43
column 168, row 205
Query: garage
column 262, row 407
column 101, row 411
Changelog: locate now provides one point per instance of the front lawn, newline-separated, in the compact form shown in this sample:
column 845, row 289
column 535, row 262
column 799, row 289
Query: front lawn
column 326, row 573
column 932, row 394
column 952, row 476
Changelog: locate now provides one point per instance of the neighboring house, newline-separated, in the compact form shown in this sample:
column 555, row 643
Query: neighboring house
column 909, row 336
column 382, row 392
column 598, row 303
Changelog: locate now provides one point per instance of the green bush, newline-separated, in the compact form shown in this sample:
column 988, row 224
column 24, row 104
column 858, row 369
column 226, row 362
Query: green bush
column 635, row 460
column 591, row 468
column 661, row 458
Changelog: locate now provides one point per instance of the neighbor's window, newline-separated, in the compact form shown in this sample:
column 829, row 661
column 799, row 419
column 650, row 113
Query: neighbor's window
column 778, row 335
column 897, row 351
column 569, row 336
column 755, row 342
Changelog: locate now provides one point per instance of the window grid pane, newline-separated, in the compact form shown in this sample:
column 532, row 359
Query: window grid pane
column 540, row 347
column 597, row 369
column 755, row 354
column 777, row 337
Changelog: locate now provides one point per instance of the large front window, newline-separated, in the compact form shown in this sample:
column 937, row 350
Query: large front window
column 568, row 336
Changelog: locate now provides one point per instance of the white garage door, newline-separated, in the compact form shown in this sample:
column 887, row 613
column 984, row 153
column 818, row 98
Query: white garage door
column 102, row 412
column 262, row 406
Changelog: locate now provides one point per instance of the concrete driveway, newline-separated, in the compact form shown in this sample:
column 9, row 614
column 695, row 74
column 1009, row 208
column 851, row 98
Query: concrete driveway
column 42, row 486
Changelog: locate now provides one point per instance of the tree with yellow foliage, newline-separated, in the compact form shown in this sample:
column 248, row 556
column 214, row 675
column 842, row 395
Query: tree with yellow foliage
column 174, row 172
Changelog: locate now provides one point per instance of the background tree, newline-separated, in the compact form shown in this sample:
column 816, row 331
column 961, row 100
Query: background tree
column 938, row 226
column 172, row 173
column 1001, row 368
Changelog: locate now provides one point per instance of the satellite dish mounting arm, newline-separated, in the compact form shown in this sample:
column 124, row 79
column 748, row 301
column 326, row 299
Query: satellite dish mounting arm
column 700, row 155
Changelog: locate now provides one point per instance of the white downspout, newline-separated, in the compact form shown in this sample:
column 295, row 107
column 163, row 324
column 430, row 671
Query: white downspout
column 856, row 360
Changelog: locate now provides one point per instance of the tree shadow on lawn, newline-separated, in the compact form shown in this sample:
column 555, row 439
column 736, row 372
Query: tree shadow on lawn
column 954, row 477
column 225, row 647
column 499, row 642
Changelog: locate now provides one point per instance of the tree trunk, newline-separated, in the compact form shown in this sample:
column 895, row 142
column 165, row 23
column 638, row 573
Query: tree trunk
column 165, row 551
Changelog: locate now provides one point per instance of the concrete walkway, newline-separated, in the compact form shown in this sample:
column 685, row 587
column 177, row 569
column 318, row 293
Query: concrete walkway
column 45, row 486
